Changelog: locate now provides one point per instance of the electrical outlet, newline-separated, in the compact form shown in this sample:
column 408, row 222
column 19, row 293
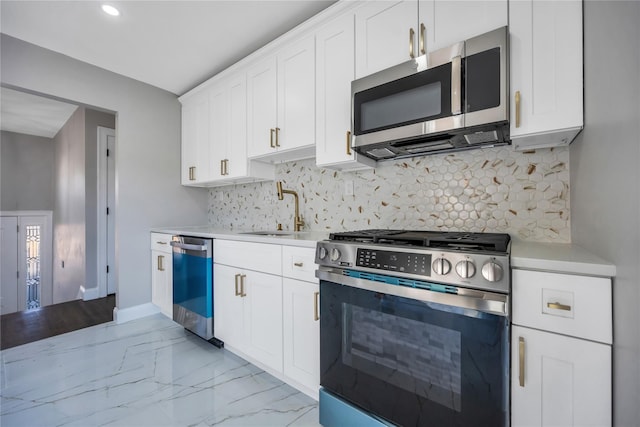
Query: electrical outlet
column 348, row 188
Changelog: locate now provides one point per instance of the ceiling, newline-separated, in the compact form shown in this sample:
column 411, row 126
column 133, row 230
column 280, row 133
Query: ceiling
column 173, row 45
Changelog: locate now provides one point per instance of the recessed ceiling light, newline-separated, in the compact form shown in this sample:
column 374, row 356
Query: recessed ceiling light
column 110, row 10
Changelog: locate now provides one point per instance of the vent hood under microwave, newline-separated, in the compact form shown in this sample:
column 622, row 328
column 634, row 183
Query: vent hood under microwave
column 450, row 99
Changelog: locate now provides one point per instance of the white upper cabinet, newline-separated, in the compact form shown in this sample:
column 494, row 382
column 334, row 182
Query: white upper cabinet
column 335, row 69
column 546, row 72
column 391, row 32
column 196, row 165
column 281, row 104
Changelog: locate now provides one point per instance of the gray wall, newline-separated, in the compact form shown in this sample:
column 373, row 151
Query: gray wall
column 69, row 245
column 26, row 172
column 148, row 190
column 605, row 198
column 93, row 119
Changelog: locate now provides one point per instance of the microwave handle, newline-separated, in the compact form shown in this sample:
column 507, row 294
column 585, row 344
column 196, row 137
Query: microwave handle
column 456, row 83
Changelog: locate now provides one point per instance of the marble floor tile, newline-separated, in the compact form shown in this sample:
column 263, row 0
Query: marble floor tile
column 147, row 372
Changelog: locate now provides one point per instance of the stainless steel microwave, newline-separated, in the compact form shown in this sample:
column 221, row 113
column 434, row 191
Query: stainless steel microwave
column 451, row 99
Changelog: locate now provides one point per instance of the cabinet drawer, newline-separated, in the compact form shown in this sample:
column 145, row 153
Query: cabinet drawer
column 248, row 255
column 578, row 306
column 298, row 263
column 161, row 242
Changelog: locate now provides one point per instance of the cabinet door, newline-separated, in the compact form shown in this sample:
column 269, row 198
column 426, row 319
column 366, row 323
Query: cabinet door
column 263, row 318
column 383, row 30
column 195, row 140
column 448, row 22
column 301, row 332
column 218, row 129
column 228, row 308
column 161, row 282
column 566, row 381
column 546, row 66
column 335, row 69
column 261, row 107
column 296, row 95
column 236, row 165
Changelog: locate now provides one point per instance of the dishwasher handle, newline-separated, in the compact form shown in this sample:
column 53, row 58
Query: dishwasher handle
column 188, row 247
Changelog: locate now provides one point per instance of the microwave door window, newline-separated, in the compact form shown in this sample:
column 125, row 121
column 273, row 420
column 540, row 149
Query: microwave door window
column 408, row 106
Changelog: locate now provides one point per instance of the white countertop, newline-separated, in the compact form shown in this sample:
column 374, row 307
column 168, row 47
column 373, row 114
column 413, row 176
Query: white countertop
column 558, row 257
column 290, row 238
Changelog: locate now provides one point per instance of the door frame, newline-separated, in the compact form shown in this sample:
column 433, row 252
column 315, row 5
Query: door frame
column 106, row 223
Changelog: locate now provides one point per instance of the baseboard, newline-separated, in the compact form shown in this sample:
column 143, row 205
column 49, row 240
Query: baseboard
column 124, row 315
column 89, row 293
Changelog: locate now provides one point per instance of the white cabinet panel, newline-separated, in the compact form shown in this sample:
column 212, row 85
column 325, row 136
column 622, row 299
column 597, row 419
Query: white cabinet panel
column 228, row 306
column 559, row 381
column 262, row 257
column 162, row 273
column 261, row 103
column 546, row 72
column 196, row 165
column 301, row 332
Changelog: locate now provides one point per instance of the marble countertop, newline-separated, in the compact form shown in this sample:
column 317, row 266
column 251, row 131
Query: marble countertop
column 290, row 238
column 557, row 257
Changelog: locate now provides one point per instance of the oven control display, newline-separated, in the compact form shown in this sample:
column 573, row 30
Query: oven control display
column 395, row 261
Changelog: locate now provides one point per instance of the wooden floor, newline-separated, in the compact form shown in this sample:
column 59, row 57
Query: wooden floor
column 28, row 326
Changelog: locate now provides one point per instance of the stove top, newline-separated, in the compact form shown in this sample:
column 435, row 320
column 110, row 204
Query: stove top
column 473, row 242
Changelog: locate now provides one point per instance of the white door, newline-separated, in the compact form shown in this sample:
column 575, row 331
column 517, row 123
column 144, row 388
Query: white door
column 237, row 122
column 261, row 107
column 301, row 328
column 196, row 166
column 385, row 33
column 565, row 381
column 296, row 95
column 228, row 306
column 8, row 264
column 106, row 208
column 218, row 128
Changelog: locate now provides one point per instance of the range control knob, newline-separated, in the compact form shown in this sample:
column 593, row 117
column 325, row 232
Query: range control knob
column 335, row 254
column 492, row 271
column 441, row 266
column 322, row 252
column 465, row 269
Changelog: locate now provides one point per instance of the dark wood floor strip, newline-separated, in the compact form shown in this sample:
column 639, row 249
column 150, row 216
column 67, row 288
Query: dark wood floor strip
column 28, row 326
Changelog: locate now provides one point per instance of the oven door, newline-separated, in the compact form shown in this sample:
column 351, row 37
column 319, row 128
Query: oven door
column 409, row 100
column 411, row 361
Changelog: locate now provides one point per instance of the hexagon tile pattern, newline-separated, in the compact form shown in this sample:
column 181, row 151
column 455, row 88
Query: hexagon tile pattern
column 489, row 190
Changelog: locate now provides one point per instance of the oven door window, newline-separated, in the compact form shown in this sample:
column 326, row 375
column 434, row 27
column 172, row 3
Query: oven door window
column 417, row 98
column 413, row 362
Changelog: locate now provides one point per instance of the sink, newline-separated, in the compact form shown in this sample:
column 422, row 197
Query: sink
column 269, row 233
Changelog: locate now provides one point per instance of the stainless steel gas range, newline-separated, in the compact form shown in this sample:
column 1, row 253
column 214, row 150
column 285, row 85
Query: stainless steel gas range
column 414, row 328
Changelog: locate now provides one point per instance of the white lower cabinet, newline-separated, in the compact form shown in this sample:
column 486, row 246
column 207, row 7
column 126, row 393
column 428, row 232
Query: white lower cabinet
column 560, row 350
column 162, row 273
column 301, row 315
column 559, row 380
column 269, row 319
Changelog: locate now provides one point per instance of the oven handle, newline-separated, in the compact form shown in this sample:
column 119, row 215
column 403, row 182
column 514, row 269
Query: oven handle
column 486, row 302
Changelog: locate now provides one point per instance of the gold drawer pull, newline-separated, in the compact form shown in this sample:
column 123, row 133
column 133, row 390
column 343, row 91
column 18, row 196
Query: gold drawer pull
column 238, row 293
column 348, row 143
column 298, row 264
column 316, row 315
column 161, row 243
column 521, row 357
column 160, row 263
column 557, row 306
column 517, row 108
column 411, row 36
column 277, row 137
column 271, row 134
column 242, row 293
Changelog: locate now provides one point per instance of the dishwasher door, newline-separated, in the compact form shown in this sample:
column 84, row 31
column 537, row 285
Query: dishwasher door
column 193, row 284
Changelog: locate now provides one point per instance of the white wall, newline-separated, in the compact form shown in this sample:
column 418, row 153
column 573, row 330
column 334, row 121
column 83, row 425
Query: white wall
column 605, row 179
column 148, row 190
column 26, row 172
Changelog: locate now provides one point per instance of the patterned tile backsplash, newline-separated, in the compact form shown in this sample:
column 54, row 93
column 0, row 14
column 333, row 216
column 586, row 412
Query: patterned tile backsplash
column 525, row 194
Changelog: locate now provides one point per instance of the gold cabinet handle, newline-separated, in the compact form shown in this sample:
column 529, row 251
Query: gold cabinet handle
column 411, row 35
column 242, row 293
column 277, row 137
column 517, row 108
column 160, row 263
column 271, row 139
column 557, row 306
column 192, row 173
column 316, row 304
column 298, row 264
column 222, row 167
column 226, row 166
column 238, row 293
column 348, row 143
column 161, row 243
column 521, row 361
column 423, row 47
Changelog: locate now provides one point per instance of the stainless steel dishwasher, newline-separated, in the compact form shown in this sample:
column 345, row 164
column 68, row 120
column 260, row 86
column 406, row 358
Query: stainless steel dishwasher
column 193, row 284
